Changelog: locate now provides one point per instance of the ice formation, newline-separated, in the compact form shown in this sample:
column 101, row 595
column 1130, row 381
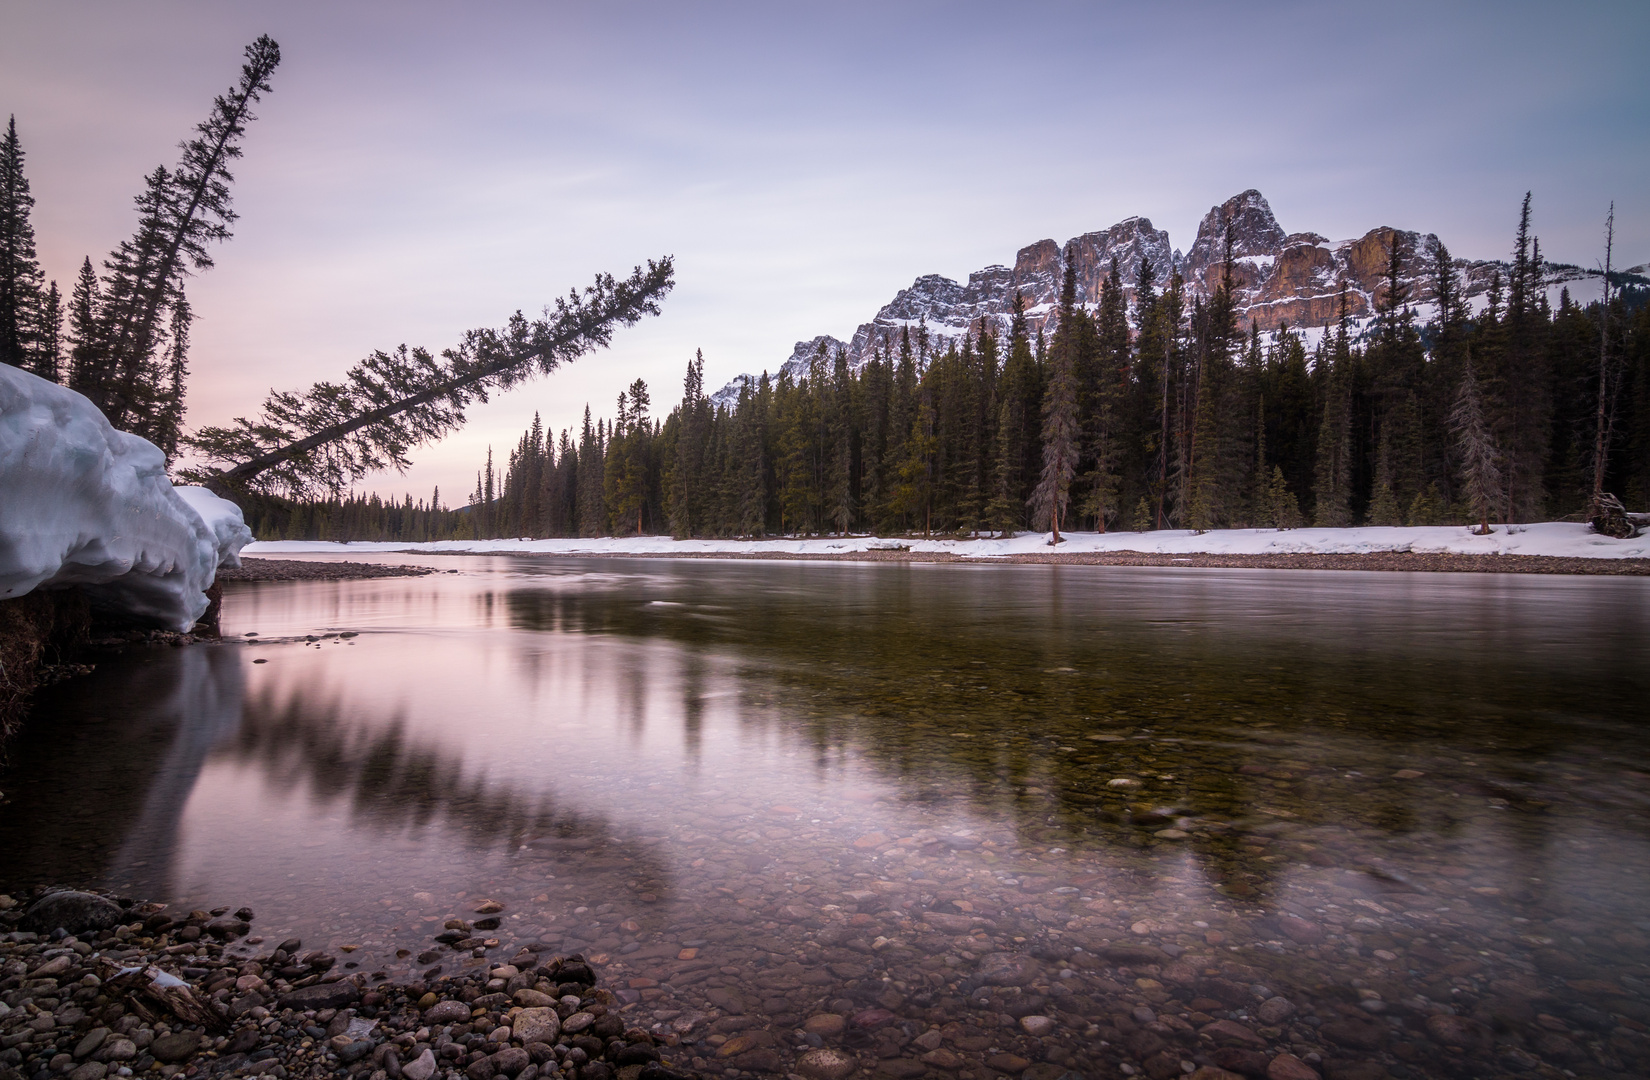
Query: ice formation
column 83, row 504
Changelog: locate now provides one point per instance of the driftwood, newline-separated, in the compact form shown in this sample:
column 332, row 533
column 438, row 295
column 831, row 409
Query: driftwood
column 1608, row 517
column 151, row 992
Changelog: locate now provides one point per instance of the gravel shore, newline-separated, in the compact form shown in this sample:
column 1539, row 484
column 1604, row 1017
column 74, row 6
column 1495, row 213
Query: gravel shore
column 140, row 990
column 296, row 570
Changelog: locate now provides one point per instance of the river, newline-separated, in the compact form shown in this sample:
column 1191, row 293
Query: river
column 1388, row 821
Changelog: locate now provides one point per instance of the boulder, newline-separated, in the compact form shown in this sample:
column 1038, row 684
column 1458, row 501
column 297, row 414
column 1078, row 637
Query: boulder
column 76, row 912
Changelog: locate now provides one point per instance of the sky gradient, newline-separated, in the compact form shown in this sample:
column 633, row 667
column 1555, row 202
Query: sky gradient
column 422, row 169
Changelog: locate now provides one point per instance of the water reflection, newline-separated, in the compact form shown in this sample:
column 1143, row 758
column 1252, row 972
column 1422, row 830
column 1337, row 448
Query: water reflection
column 889, row 774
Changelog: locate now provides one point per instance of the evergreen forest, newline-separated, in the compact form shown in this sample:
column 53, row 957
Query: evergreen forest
column 1156, row 411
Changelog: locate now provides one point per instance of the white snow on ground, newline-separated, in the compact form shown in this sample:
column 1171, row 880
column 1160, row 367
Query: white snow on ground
column 84, row 504
column 1547, row 538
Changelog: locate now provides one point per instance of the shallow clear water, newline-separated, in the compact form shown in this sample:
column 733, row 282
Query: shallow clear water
column 861, row 785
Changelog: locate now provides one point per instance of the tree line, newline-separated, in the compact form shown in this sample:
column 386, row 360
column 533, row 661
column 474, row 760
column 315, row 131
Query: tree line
column 1150, row 412
column 127, row 341
column 126, row 344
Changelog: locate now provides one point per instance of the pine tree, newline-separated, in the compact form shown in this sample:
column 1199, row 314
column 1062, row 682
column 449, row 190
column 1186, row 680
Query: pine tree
column 20, row 279
column 324, row 438
column 47, row 361
column 1333, row 474
column 180, row 213
column 167, row 426
column 1480, row 458
column 1060, row 431
column 84, row 301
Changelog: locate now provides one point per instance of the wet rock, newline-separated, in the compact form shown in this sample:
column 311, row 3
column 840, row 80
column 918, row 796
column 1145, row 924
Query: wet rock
column 577, row 1022
column 825, row 1025
column 447, row 1012
column 1009, row 1063
column 1143, row 1044
column 421, row 1067
column 1357, row 1034
column 1008, row 969
column 1236, row 1059
column 1037, row 1026
column 176, row 1047
column 227, row 927
column 1211, row 1072
column 872, row 1019
column 76, row 912
column 822, row 1064
column 1289, row 1067
column 90, row 1042
column 1461, row 1031
column 536, row 1025
column 510, row 1061
column 1275, row 1010
column 1232, row 1033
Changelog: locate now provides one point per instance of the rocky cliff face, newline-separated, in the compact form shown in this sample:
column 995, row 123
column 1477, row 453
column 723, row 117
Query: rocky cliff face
column 1280, row 279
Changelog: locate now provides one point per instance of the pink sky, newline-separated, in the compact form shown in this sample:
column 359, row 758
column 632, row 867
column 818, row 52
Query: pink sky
column 422, row 169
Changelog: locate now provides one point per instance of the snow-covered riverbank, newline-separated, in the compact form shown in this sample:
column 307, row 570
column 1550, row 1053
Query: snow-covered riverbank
column 1556, row 539
column 82, row 504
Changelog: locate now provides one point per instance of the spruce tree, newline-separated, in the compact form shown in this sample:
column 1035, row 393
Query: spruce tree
column 1480, row 457
column 20, row 278
column 47, row 361
column 1060, row 429
column 180, row 214
column 84, row 301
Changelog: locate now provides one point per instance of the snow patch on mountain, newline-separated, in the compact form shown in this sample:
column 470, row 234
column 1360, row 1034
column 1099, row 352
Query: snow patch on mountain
column 1281, row 280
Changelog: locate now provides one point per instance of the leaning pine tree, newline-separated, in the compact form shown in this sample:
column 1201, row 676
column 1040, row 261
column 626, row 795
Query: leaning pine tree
column 181, row 211
column 1480, row 459
column 318, row 441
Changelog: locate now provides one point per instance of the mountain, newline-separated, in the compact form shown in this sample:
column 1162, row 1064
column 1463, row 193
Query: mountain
column 1281, row 279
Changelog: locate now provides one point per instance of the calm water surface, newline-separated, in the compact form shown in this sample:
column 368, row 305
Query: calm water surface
column 759, row 791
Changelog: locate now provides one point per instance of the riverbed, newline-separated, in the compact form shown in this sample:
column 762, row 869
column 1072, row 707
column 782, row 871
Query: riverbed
column 1386, row 821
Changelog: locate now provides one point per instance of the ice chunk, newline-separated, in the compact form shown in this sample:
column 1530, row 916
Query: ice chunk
column 84, row 504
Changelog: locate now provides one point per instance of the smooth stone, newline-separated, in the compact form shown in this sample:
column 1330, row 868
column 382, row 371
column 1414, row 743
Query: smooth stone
column 533, row 999
column 76, row 912
column 1037, row 1026
column 510, row 1061
column 1006, row 969
column 118, row 1050
column 91, row 1041
column 823, row 1064
column 91, row 1070
column 827, row 1025
column 536, row 1025
column 176, row 1047
column 421, row 1067
column 577, row 1023
column 1275, row 1010
column 446, row 1012
column 1289, row 1067
column 226, row 927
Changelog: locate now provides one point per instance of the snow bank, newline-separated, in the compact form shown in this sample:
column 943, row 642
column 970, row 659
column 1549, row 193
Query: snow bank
column 84, row 504
column 1547, row 538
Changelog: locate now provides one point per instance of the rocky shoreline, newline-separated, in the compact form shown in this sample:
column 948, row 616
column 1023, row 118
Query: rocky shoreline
column 136, row 989
column 252, row 569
